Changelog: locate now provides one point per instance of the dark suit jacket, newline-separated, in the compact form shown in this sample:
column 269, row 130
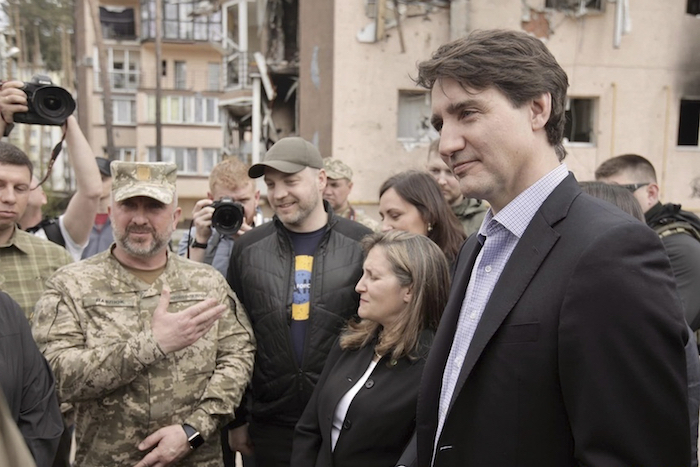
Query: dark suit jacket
column 578, row 358
column 380, row 420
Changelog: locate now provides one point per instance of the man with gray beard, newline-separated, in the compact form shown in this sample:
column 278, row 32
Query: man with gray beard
column 153, row 350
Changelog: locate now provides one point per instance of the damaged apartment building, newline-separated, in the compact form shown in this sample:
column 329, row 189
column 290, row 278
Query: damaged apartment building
column 238, row 75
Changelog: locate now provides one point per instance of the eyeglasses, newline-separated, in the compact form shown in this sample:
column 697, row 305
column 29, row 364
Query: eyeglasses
column 633, row 186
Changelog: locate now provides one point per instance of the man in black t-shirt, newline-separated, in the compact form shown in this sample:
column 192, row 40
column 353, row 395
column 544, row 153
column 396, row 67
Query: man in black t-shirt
column 296, row 278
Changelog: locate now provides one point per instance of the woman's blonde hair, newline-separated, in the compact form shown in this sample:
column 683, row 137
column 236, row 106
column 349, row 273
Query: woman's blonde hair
column 419, row 264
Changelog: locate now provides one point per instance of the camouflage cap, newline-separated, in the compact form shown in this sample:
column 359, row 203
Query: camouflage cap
column 153, row 179
column 336, row 169
column 288, row 155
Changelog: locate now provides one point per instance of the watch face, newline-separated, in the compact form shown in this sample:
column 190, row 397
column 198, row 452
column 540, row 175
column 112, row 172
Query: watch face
column 196, row 441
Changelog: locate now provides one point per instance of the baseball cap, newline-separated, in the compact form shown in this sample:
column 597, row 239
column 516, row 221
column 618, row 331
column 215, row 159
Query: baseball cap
column 288, row 155
column 153, row 179
column 336, row 169
column 103, row 165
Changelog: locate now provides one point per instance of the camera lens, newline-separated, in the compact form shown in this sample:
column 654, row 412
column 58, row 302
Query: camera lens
column 227, row 217
column 52, row 103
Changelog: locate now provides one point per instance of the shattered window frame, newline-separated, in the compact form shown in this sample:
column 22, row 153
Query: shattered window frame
column 580, row 127
column 576, row 6
column 693, row 7
column 413, row 116
column 179, row 24
column 689, row 123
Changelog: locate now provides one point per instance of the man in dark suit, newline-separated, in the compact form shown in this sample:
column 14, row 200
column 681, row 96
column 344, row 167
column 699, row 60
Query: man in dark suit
column 562, row 341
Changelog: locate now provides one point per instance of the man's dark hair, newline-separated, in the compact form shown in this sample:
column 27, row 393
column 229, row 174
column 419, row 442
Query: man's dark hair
column 515, row 63
column 12, row 155
column 638, row 167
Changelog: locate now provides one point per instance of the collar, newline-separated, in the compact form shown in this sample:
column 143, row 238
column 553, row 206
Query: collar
column 517, row 214
column 19, row 239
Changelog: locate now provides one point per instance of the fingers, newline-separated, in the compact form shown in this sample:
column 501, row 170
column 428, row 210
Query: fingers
column 150, row 441
column 207, row 318
column 164, row 301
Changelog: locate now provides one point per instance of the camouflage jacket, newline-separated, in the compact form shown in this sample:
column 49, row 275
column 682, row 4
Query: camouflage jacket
column 359, row 216
column 470, row 213
column 93, row 325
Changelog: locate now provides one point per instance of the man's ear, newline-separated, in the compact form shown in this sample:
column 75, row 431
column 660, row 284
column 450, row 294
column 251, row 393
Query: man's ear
column 176, row 216
column 210, row 196
column 322, row 179
column 652, row 192
column 540, row 110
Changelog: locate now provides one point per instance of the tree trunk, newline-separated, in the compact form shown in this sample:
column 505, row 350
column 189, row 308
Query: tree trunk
column 104, row 78
column 159, row 77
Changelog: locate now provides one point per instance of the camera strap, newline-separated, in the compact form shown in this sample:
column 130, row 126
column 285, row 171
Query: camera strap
column 54, row 155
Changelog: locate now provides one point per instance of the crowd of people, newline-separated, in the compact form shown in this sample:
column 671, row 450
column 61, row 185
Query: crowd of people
column 498, row 313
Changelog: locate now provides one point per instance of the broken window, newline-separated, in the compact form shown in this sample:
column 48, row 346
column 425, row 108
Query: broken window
column 180, row 21
column 693, row 7
column 117, row 22
column 414, row 115
column 580, row 120
column 689, row 122
column 575, row 6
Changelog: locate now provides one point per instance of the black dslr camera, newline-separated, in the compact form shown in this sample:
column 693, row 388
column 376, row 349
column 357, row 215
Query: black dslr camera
column 48, row 104
column 228, row 216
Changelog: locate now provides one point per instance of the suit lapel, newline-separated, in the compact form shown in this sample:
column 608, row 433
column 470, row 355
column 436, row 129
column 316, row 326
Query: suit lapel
column 431, row 381
column 534, row 246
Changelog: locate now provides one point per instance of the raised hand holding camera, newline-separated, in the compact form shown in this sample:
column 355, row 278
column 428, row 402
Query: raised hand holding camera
column 46, row 104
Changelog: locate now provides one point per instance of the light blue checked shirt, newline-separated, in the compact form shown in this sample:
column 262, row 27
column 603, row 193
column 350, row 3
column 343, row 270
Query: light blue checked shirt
column 499, row 236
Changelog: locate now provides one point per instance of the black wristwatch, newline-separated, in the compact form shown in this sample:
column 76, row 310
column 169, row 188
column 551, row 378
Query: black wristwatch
column 193, row 436
column 195, row 244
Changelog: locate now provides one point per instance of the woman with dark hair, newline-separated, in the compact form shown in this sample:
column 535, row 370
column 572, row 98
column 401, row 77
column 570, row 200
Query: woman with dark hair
column 412, row 201
column 362, row 411
column 615, row 194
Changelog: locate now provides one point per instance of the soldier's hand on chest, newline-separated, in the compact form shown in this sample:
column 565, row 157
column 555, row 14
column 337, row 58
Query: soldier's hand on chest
column 175, row 331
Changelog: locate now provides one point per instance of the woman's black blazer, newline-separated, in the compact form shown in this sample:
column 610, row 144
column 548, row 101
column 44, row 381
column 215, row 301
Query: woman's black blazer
column 380, row 420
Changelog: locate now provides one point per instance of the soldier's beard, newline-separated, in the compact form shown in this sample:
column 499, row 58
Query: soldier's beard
column 145, row 248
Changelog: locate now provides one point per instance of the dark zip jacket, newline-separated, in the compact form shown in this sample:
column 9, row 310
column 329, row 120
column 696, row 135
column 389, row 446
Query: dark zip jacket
column 261, row 272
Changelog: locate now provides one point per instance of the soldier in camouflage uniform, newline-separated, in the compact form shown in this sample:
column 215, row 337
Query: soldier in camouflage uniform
column 154, row 350
column 337, row 190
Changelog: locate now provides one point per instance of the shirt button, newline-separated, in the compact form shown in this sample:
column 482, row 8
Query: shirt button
column 369, row 383
column 488, row 268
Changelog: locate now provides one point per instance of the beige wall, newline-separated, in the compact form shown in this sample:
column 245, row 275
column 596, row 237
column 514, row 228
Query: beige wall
column 638, row 86
column 316, row 57
column 366, row 79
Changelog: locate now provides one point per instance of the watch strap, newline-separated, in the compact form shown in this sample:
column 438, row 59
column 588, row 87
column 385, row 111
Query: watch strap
column 195, row 244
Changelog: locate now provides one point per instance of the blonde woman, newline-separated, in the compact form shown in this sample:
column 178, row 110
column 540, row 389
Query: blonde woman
column 362, row 411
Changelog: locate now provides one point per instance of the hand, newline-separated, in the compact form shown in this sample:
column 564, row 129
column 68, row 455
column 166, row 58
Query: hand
column 201, row 215
column 170, row 445
column 12, row 100
column 244, row 228
column 239, row 440
column 175, row 331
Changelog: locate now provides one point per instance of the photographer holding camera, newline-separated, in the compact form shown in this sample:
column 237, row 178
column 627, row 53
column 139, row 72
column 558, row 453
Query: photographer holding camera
column 51, row 105
column 229, row 210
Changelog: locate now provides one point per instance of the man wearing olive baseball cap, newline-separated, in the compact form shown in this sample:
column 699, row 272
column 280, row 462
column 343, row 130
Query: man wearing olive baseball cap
column 167, row 353
column 325, row 255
